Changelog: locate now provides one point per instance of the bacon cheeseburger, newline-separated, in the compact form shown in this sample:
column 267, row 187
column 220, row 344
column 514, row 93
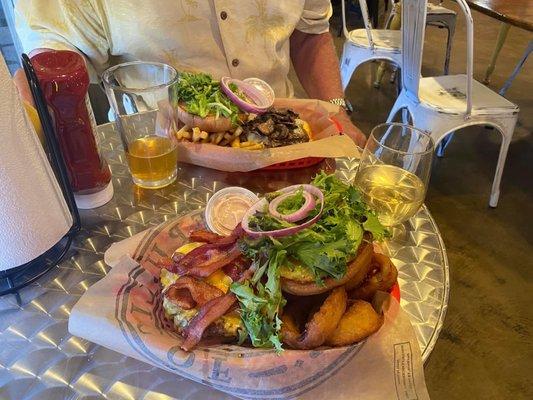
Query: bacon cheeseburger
column 298, row 271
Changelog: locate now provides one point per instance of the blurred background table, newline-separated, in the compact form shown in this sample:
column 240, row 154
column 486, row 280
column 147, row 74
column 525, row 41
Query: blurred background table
column 517, row 13
column 514, row 12
column 40, row 360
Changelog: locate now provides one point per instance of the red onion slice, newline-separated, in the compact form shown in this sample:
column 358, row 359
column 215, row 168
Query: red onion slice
column 260, row 102
column 298, row 215
column 262, row 205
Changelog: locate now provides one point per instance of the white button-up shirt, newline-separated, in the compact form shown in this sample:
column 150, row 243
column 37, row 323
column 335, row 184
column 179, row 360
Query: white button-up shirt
column 238, row 38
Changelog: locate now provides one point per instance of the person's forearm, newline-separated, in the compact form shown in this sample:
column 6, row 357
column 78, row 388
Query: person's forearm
column 316, row 64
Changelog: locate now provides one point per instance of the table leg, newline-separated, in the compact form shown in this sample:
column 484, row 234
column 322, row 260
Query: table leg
column 502, row 35
column 517, row 69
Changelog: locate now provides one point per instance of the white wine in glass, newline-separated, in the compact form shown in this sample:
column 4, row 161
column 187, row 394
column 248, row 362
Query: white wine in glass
column 394, row 171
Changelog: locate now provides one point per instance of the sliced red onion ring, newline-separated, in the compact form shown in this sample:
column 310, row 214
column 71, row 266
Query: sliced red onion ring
column 262, row 205
column 260, row 102
column 296, row 216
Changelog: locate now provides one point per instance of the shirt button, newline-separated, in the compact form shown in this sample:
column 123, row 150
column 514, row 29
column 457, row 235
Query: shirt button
column 235, row 62
column 223, row 15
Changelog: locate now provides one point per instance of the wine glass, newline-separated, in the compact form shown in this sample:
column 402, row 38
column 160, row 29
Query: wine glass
column 394, row 171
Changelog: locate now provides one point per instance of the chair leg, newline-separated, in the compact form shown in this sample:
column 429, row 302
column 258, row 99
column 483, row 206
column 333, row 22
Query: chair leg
column 443, row 144
column 506, row 140
column 379, row 75
column 348, row 66
column 502, row 35
column 450, row 26
column 394, row 22
column 395, row 108
column 405, row 116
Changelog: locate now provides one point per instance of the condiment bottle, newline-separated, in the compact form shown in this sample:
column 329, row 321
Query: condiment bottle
column 64, row 81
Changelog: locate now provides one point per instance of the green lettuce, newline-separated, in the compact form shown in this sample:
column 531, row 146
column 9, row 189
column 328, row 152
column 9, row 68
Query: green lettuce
column 324, row 249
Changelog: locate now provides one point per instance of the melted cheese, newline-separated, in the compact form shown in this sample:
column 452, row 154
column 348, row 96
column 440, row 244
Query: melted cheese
column 219, row 280
column 227, row 325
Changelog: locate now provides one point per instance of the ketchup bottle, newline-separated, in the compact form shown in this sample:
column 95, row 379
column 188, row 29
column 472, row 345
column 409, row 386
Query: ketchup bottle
column 64, row 82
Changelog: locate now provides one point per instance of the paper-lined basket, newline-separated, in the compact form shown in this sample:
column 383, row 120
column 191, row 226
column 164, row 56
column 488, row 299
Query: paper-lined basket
column 123, row 312
column 326, row 143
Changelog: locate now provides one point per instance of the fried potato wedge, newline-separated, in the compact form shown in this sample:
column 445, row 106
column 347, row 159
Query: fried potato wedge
column 357, row 323
column 361, row 262
column 382, row 276
column 317, row 329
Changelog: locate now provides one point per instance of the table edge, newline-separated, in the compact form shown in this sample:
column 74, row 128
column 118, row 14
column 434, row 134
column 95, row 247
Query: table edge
column 445, row 298
column 501, row 17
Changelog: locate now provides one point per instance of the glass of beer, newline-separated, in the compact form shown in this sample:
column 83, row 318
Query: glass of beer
column 139, row 93
column 394, row 171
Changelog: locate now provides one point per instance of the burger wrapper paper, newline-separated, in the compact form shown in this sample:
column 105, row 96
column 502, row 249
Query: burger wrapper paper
column 326, row 143
column 123, row 312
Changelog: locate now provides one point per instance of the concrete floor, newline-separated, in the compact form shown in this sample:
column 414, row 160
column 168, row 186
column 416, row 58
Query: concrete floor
column 485, row 349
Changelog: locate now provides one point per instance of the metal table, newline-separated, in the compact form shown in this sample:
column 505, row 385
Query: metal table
column 40, row 360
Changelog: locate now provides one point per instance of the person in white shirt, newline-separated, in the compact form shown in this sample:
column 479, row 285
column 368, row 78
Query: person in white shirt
column 234, row 38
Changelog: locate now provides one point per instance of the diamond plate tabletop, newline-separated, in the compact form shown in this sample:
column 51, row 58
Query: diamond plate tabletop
column 40, row 360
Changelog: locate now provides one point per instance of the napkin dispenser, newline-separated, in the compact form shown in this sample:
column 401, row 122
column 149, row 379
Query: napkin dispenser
column 38, row 214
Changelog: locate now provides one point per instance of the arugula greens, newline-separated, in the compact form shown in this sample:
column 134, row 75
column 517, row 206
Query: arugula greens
column 292, row 203
column 202, row 96
column 261, row 303
column 324, row 249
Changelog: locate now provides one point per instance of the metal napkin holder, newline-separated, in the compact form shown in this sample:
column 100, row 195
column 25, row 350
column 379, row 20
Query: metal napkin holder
column 14, row 279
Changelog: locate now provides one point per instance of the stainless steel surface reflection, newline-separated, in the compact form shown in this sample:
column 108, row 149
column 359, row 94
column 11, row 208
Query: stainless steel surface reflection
column 40, row 360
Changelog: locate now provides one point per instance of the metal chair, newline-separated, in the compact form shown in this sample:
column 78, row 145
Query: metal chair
column 441, row 105
column 437, row 15
column 362, row 45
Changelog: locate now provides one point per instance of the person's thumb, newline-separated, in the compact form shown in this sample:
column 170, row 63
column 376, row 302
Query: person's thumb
column 22, row 85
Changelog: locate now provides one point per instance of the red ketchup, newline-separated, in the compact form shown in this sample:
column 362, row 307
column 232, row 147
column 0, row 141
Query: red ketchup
column 64, row 82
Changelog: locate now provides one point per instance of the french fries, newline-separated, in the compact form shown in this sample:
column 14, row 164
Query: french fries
column 229, row 138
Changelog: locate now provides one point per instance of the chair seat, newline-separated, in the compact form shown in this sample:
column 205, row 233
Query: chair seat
column 436, row 9
column 448, row 94
column 383, row 38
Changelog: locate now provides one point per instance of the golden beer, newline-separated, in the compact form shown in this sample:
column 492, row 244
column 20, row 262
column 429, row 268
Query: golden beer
column 152, row 161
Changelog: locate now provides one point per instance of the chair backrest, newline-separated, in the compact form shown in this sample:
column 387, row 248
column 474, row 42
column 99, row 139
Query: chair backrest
column 469, row 53
column 366, row 21
column 413, row 29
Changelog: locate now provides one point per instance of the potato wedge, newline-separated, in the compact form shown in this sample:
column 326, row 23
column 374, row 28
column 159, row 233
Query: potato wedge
column 359, row 322
column 321, row 325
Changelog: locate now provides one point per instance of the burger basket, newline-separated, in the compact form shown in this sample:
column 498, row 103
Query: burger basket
column 326, row 142
column 124, row 313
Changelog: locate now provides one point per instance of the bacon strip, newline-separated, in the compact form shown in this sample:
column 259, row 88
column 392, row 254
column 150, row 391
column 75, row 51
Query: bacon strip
column 204, row 252
column 207, row 263
column 202, row 235
column 181, row 297
column 166, row 263
column 208, row 313
column 235, row 269
column 188, row 292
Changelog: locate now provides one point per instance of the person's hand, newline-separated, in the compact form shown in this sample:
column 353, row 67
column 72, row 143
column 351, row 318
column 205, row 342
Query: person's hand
column 19, row 79
column 348, row 128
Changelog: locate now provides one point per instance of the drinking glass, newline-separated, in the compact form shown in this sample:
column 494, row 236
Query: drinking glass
column 394, row 171
column 139, row 93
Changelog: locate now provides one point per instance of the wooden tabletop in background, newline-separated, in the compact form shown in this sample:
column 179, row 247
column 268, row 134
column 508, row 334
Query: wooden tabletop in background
column 515, row 12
